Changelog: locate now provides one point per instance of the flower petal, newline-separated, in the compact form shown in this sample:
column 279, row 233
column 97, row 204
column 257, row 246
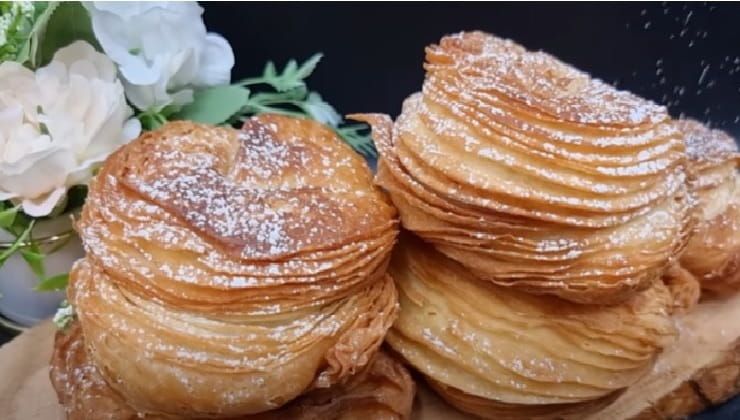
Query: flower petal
column 217, row 60
column 43, row 205
column 131, row 130
column 162, row 50
column 38, row 173
column 81, row 58
column 4, row 195
column 148, row 97
column 58, row 122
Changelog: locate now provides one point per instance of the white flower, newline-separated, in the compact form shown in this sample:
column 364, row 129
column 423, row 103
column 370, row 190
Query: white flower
column 162, row 50
column 56, row 124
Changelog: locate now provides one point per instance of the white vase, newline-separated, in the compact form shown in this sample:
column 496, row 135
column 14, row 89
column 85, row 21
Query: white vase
column 19, row 302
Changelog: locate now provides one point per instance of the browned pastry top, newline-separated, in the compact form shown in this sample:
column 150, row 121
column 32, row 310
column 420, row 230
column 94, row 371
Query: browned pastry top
column 215, row 219
column 713, row 253
column 279, row 187
column 535, row 175
column 502, row 354
column 706, row 145
column 229, row 272
column 539, row 80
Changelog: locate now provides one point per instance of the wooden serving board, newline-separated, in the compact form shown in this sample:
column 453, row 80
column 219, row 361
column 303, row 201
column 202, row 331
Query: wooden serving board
column 706, row 356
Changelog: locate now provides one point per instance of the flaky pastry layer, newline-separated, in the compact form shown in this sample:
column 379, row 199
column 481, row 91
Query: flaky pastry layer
column 713, row 253
column 535, row 175
column 229, row 272
column 384, row 389
column 522, row 353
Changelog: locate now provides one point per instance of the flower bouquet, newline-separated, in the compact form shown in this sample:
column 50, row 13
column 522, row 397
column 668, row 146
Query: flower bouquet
column 79, row 80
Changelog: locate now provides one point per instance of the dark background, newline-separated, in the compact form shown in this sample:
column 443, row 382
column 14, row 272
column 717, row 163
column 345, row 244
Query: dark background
column 373, row 53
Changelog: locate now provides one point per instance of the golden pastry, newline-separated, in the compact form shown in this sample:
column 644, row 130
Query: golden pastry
column 499, row 353
column 229, row 272
column 533, row 174
column 713, row 252
column 684, row 288
column 384, row 389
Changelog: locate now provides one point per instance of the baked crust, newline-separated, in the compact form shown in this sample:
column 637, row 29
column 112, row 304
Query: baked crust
column 229, row 272
column 210, row 219
column 713, row 252
column 384, row 389
column 497, row 352
column 684, row 288
column 533, row 174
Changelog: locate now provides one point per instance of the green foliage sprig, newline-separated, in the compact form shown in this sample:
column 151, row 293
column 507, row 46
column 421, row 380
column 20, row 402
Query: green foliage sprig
column 279, row 92
column 21, row 227
column 16, row 25
column 36, row 30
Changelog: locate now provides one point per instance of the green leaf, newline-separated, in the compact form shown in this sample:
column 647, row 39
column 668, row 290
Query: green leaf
column 42, row 12
column 20, row 224
column 16, row 25
column 17, row 243
column 270, row 71
column 35, row 260
column 291, row 68
column 38, row 31
column 293, row 98
column 151, row 120
column 358, row 137
column 53, row 283
column 320, row 110
column 68, row 22
column 258, row 109
column 169, row 110
column 309, row 66
column 292, row 76
column 7, row 217
column 215, row 105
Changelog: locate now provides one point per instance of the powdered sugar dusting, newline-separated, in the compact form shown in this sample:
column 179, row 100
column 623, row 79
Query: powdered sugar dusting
column 262, row 206
column 258, row 254
column 214, row 217
column 707, row 145
column 539, row 80
column 533, row 174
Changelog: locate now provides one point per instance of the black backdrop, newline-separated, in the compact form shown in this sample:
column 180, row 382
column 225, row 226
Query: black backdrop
column 373, row 53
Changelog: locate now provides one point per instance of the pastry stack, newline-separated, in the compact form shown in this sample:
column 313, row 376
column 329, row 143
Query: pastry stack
column 713, row 254
column 499, row 353
column 232, row 274
column 556, row 227
column 550, row 206
column 536, row 176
